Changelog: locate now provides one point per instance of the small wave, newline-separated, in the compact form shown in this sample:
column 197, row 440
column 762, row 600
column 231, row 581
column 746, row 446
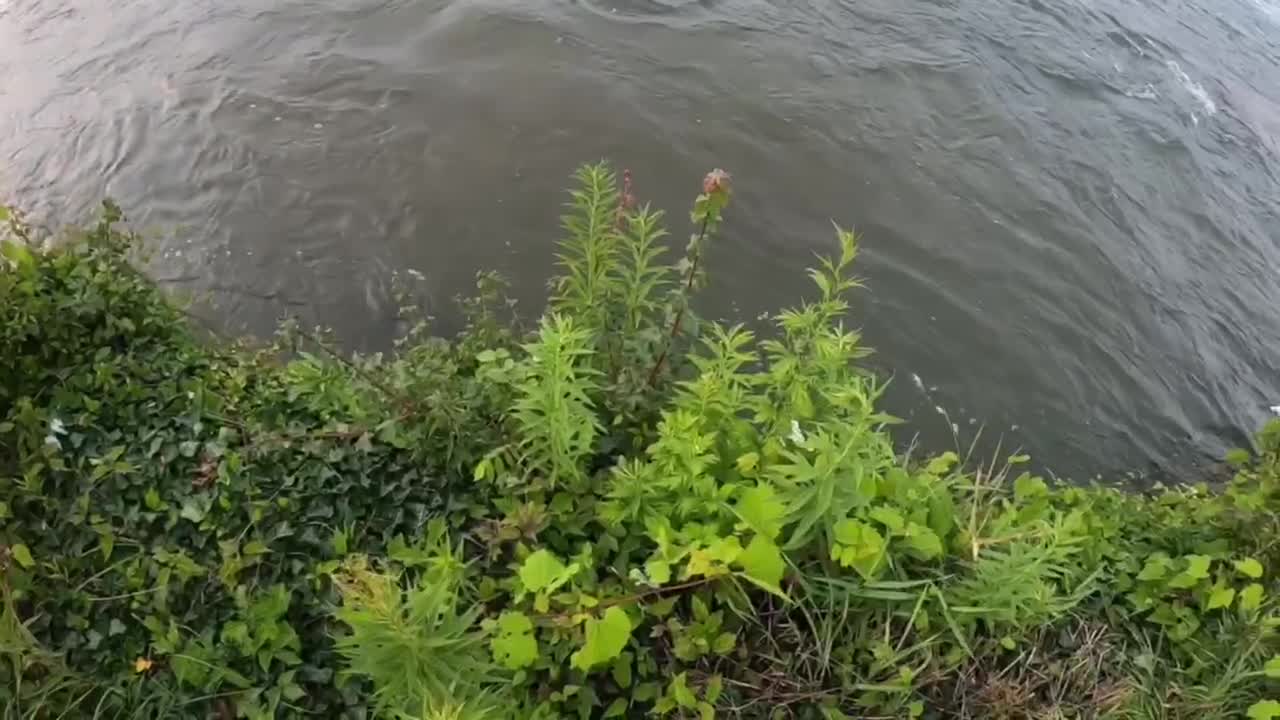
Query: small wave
column 1196, row 89
column 1147, row 92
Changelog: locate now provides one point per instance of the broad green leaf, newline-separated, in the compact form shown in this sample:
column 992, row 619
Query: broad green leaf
column 1198, row 566
column 1272, row 668
column 22, row 554
column 1249, row 567
column 617, row 708
column 923, row 542
column 1264, row 710
column 1238, row 457
column 514, row 645
column 659, row 571
column 942, row 463
column 1220, row 598
column 1197, row 569
column 762, row 510
column 1156, row 567
column 542, row 571
column 606, row 637
column 152, row 500
column 858, row 546
column 1251, row 597
column 889, row 517
column 762, row 562
column 18, row 254
column 942, row 512
column 1028, row 487
column 621, row 670
column 681, row 693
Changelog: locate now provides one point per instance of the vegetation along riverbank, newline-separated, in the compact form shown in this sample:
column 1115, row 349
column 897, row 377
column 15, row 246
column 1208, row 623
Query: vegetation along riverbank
column 619, row 510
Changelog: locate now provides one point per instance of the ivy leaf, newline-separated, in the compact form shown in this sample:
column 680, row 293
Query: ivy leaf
column 606, row 637
column 1156, row 567
column 1249, row 567
column 1197, row 566
column 1251, row 597
column 763, row 564
column 1197, row 570
column 762, row 510
column 1264, row 710
column 1220, row 598
column 514, row 646
column 22, row 554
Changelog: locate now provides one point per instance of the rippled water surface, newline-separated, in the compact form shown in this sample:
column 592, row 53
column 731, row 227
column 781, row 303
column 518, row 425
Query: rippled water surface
column 1071, row 209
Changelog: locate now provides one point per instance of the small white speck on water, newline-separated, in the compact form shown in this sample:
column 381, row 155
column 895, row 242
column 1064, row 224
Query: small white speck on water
column 933, row 318
column 318, row 125
column 276, row 118
column 1275, row 409
column 1013, row 428
column 253, row 105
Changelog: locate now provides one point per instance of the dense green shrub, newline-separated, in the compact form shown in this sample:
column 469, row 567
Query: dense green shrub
column 625, row 512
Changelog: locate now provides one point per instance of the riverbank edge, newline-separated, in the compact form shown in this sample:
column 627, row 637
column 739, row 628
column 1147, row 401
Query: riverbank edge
column 625, row 511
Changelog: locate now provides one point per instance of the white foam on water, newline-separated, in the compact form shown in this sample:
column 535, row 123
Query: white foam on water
column 1196, row 89
column 1145, row 93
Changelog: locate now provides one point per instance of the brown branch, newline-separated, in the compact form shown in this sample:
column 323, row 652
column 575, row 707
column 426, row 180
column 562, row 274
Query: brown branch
column 636, row 598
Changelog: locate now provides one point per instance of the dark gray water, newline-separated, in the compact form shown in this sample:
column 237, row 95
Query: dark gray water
column 1071, row 209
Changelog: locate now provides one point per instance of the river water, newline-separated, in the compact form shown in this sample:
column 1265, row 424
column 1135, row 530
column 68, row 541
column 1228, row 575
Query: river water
column 1070, row 209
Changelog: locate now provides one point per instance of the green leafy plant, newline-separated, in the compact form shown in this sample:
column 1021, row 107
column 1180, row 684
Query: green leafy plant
column 626, row 511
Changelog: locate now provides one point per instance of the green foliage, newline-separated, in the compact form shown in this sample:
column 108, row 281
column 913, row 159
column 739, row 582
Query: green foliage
column 626, row 512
